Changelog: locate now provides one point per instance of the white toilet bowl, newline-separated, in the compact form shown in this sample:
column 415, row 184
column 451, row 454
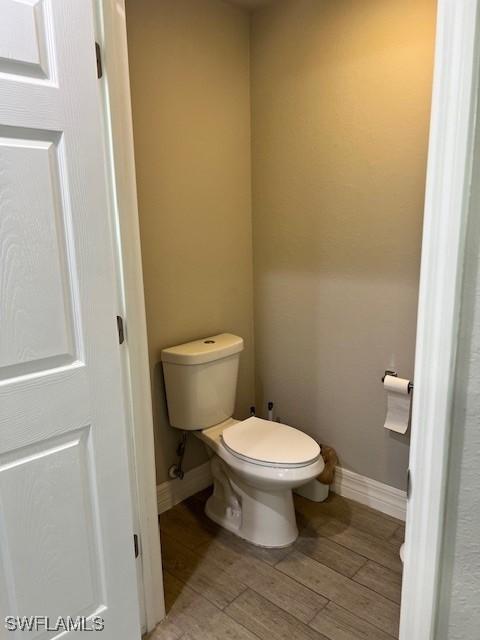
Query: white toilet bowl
column 255, row 463
column 255, row 466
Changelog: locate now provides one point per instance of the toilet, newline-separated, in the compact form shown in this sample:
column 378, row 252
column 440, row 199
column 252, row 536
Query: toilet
column 255, row 463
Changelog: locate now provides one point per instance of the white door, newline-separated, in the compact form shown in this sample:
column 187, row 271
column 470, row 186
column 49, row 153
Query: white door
column 66, row 545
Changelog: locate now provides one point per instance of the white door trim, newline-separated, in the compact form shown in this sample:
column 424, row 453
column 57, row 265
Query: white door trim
column 111, row 29
column 451, row 145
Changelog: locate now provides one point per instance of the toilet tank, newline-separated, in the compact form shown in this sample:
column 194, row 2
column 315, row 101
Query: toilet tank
column 201, row 381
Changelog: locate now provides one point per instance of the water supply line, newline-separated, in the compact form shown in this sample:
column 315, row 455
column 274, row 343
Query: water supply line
column 176, row 470
column 270, row 411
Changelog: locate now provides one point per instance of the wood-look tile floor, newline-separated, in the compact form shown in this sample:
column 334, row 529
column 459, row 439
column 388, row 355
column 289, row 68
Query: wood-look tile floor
column 341, row 580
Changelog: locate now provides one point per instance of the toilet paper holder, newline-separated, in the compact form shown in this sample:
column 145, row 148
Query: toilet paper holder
column 389, row 372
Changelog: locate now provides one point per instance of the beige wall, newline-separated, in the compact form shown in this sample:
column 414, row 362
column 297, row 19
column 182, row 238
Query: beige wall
column 340, row 109
column 189, row 68
column 339, row 93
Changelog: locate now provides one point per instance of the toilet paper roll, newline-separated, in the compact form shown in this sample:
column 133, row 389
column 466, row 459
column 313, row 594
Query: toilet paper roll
column 398, row 404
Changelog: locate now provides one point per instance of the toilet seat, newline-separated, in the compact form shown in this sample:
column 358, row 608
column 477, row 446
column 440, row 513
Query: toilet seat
column 270, row 444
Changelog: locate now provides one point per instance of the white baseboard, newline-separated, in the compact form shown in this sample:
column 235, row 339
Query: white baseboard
column 369, row 492
column 172, row 492
column 348, row 484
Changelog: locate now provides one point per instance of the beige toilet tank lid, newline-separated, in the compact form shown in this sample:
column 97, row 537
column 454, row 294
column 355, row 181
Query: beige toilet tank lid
column 203, row 350
column 270, row 442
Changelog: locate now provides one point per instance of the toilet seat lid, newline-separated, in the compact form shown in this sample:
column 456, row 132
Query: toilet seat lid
column 272, row 443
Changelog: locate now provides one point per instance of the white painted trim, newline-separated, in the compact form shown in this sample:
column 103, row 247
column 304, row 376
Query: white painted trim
column 172, row 492
column 113, row 39
column 371, row 493
column 452, row 134
column 348, row 484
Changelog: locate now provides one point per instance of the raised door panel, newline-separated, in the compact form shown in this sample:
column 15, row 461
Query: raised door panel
column 49, row 541
column 23, row 38
column 38, row 329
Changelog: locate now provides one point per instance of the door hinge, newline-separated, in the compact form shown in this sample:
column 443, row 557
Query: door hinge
column 121, row 330
column 98, row 53
column 136, row 545
column 409, row 484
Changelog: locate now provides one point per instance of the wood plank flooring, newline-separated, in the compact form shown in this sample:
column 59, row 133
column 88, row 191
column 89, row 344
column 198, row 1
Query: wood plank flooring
column 341, row 580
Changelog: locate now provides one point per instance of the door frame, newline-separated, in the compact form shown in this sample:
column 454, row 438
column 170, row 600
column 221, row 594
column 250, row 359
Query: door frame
column 111, row 35
column 454, row 106
column 447, row 203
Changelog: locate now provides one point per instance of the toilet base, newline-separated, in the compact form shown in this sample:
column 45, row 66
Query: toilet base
column 264, row 518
